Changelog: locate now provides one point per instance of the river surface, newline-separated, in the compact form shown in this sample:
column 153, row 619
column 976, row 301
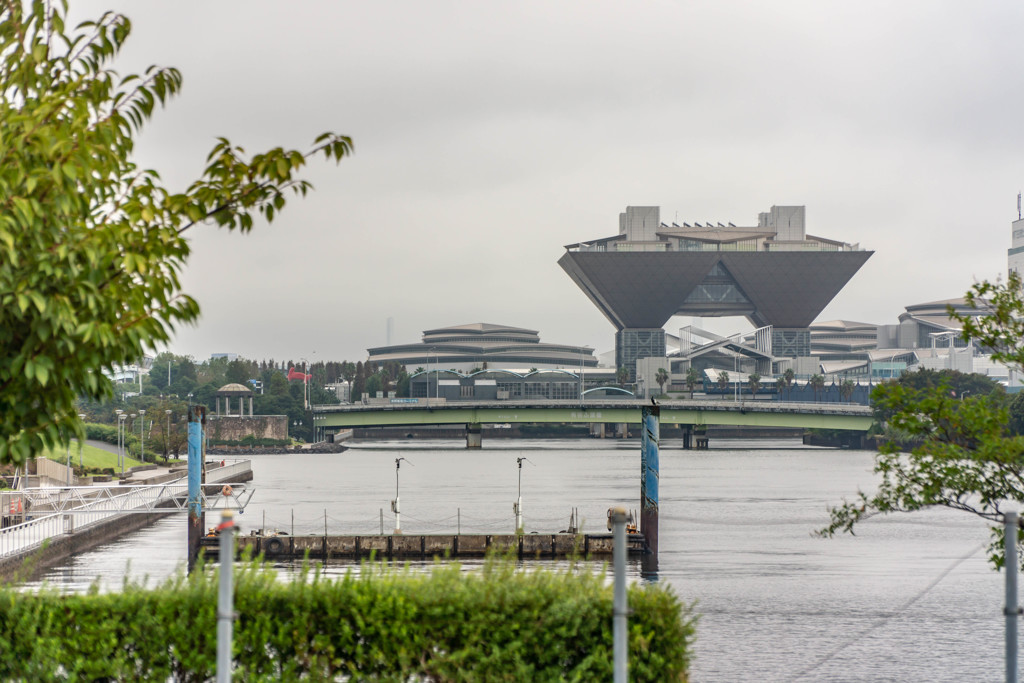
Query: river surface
column 897, row 602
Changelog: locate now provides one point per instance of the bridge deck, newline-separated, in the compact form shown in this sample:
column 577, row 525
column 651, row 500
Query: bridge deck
column 696, row 412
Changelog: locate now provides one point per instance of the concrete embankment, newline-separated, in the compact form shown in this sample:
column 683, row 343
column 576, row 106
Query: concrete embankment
column 401, row 546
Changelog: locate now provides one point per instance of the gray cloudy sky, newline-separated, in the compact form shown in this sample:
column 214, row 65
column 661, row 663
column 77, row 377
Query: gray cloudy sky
column 490, row 134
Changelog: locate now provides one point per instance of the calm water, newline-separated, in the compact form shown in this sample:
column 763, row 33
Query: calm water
column 776, row 603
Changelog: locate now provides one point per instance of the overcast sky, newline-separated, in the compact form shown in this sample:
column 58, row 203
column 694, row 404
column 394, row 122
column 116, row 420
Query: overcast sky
column 488, row 135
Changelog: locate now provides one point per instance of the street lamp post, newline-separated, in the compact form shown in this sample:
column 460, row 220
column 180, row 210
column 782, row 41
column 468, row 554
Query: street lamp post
column 118, row 414
column 81, row 416
column 142, row 436
column 437, row 370
column 167, row 435
column 395, row 505
column 133, row 416
column 121, row 417
column 67, row 474
column 517, row 507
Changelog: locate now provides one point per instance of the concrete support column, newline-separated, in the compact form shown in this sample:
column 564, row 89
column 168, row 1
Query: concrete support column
column 649, row 476
column 250, row 406
column 217, row 405
column 687, row 437
column 474, row 435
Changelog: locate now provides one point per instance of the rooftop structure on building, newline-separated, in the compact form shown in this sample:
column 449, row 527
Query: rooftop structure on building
column 483, row 345
column 773, row 273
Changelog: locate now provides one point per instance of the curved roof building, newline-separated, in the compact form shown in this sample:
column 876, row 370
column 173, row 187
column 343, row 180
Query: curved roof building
column 463, row 347
column 773, row 274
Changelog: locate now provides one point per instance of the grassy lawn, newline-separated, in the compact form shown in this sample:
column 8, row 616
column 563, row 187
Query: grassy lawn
column 92, row 457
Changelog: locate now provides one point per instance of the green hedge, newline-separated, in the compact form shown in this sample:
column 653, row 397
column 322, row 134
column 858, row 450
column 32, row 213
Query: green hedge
column 494, row 625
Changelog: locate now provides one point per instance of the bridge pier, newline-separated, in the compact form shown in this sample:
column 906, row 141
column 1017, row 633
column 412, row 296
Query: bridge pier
column 474, row 436
column 687, row 437
column 649, row 475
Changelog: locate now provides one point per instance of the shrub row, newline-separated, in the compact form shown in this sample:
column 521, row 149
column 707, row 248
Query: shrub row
column 383, row 625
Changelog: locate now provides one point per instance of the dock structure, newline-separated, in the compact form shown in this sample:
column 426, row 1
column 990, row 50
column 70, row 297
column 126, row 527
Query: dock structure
column 411, row 546
column 55, row 522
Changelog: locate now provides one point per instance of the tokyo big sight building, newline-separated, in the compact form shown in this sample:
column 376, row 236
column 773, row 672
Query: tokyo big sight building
column 774, row 274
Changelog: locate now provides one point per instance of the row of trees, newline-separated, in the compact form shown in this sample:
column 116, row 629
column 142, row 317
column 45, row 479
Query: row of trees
column 198, row 382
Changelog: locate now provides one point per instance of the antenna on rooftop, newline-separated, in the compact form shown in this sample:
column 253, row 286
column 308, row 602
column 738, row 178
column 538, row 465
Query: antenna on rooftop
column 1018, row 206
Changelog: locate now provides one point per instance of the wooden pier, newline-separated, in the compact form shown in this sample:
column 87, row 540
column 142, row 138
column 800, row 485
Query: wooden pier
column 411, row 546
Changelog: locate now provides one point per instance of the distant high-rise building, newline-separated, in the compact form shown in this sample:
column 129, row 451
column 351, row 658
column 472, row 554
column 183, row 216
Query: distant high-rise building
column 1015, row 254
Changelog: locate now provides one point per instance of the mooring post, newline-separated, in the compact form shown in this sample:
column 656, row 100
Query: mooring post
column 649, row 476
column 196, row 423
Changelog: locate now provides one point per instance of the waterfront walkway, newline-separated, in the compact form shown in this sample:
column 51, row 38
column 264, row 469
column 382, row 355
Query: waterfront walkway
column 55, row 512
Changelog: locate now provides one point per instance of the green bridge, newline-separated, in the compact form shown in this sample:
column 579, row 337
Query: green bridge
column 694, row 414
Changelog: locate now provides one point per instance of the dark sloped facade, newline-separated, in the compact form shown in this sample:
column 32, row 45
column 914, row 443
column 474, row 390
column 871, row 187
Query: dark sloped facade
column 645, row 289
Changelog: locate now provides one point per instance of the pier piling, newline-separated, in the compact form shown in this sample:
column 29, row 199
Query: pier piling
column 649, row 475
column 196, row 427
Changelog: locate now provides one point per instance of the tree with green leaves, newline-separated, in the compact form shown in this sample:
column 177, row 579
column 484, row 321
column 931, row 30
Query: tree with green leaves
column 91, row 245
column 661, row 377
column 780, row 386
column 723, row 382
column 817, row 383
column 692, row 379
column 846, row 389
column 789, row 376
column 966, row 457
column 754, row 384
column 622, row 375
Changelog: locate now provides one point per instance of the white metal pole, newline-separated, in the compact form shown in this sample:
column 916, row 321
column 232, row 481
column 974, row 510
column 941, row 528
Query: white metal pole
column 519, row 499
column 225, row 599
column 1012, row 611
column 620, row 608
column 398, row 511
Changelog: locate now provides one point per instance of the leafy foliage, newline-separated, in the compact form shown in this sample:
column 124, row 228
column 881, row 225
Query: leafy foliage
column 754, row 384
column 692, row 379
column 661, row 377
column 91, row 246
column 966, row 457
column 497, row 624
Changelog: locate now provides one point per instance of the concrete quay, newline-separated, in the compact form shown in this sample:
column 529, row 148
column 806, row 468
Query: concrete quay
column 408, row 547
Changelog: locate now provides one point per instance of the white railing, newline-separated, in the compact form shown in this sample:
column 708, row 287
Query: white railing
column 228, row 472
column 78, row 508
column 32, row 534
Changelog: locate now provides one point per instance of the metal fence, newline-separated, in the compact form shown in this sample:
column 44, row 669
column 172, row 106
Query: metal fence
column 79, row 508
